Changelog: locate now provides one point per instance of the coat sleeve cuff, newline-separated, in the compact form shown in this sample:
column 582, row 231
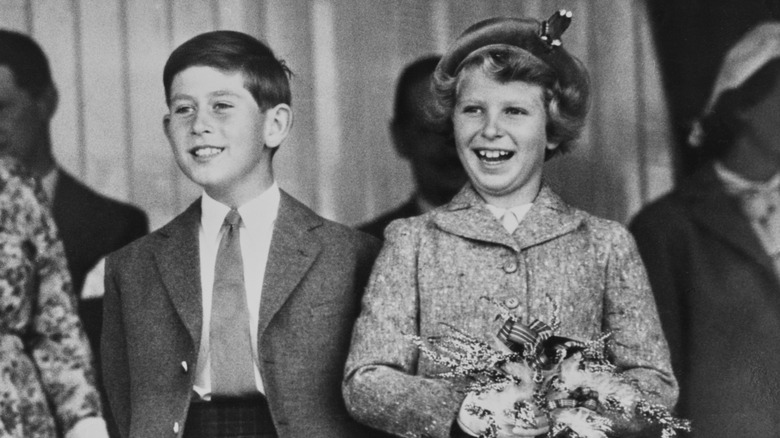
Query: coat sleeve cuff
column 90, row 427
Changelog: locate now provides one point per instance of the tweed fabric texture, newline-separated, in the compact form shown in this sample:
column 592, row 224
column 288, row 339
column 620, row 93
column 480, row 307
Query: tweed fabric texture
column 436, row 268
column 314, row 279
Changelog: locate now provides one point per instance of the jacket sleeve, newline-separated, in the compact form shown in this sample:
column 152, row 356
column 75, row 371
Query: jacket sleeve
column 113, row 351
column 637, row 342
column 381, row 388
column 58, row 343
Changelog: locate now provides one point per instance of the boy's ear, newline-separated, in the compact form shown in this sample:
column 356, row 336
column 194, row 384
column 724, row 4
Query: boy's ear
column 167, row 125
column 278, row 121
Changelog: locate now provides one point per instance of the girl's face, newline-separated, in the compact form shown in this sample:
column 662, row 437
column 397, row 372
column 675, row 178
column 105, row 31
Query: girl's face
column 501, row 137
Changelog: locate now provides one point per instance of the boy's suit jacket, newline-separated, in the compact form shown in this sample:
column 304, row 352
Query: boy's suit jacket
column 313, row 284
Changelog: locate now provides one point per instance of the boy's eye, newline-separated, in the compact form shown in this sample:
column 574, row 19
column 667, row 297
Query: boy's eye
column 221, row 106
column 182, row 109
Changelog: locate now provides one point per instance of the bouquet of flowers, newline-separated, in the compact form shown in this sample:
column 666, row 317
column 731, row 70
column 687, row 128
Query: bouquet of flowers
column 571, row 382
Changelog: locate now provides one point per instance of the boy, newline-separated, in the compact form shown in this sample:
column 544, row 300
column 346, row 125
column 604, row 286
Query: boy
column 234, row 318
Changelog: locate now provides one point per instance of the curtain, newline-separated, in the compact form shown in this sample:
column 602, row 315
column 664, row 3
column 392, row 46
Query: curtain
column 107, row 58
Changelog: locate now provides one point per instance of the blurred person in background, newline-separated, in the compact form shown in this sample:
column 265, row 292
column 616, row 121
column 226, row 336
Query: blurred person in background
column 90, row 225
column 712, row 251
column 47, row 382
column 424, row 143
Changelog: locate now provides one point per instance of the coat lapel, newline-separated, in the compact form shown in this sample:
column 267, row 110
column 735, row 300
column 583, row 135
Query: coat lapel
column 467, row 216
column 178, row 261
column 293, row 250
column 721, row 214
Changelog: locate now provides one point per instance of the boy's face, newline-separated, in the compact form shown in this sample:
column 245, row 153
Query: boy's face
column 501, row 137
column 218, row 134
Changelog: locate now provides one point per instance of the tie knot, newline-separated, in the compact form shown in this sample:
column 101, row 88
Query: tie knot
column 233, row 219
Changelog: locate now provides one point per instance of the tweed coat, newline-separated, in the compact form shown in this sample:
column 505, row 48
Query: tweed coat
column 436, row 267
column 719, row 301
column 47, row 383
column 376, row 227
column 315, row 273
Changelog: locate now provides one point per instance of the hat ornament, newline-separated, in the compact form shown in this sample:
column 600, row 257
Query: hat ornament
column 552, row 29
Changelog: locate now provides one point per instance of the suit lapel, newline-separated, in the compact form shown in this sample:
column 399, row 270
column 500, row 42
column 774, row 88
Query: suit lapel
column 293, row 250
column 467, row 216
column 178, row 262
column 721, row 215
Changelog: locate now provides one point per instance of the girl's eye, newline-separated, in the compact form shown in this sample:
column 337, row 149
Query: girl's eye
column 221, row 106
column 472, row 109
column 516, row 111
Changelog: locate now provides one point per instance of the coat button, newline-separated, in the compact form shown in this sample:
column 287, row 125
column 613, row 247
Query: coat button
column 176, row 427
column 510, row 266
column 512, row 303
column 184, row 367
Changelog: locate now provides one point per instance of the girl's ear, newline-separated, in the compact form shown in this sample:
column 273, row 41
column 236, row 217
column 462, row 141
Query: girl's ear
column 278, row 121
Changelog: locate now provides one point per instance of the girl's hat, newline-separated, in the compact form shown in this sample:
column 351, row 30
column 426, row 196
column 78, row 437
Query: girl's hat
column 541, row 39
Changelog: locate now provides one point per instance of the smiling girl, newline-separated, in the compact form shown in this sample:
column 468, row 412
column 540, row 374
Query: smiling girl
column 514, row 98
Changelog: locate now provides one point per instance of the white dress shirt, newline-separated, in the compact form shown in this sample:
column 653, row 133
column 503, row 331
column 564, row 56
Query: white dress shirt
column 257, row 217
column 519, row 211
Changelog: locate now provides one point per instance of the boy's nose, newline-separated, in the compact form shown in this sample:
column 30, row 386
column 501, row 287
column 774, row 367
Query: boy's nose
column 201, row 123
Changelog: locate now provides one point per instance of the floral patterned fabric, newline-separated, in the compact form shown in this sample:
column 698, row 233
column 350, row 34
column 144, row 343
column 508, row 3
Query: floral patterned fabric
column 47, row 382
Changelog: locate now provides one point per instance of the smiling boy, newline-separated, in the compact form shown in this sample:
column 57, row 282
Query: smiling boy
column 234, row 318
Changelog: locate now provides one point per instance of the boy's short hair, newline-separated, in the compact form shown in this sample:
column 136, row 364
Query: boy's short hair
column 24, row 57
column 265, row 77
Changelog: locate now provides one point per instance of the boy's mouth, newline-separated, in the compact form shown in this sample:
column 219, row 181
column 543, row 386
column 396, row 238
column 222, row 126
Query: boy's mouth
column 492, row 155
column 205, row 151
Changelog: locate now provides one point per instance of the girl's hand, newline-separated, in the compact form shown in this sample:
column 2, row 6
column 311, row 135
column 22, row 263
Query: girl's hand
column 500, row 403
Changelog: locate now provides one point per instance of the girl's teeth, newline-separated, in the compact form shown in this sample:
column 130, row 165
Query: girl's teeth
column 493, row 155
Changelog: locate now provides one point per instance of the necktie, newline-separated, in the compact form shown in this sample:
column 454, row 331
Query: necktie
column 232, row 365
column 509, row 221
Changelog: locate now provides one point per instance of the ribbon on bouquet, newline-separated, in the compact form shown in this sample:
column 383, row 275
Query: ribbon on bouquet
column 515, row 335
column 550, row 350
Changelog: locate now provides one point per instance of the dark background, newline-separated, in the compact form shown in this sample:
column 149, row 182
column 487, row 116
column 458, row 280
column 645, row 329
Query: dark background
column 692, row 36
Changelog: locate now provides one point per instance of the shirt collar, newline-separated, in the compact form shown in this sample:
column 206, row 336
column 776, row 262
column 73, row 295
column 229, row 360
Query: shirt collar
column 256, row 214
column 736, row 183
column 49, row 182
column 519, row 210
